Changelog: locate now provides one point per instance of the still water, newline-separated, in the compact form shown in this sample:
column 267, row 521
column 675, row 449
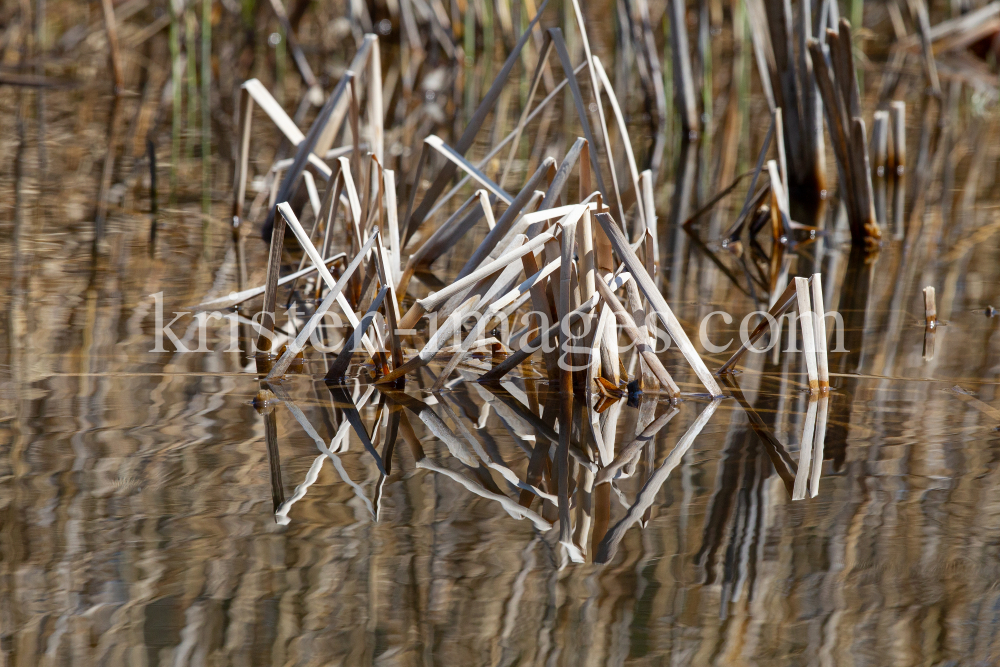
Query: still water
column 138, row 522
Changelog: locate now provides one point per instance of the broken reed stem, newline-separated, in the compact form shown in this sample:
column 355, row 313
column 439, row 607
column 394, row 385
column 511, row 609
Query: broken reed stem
column 236, row 299
column 523, row 120
column 297, row 345
column 930, row 307
column 271, row 286
column 647, row 380
column 863, row 180
column 754, row 197
column 289, row 216
column 623, row 130
column 819, row 316
column 710, row 204
column 442, row 240
column 545, row 171
column 779, row 136
column 542, row 106
column 392, row 316
column 498, row 308
column 338, row 369
column 808, row 334
column 243, row 159
column 437, row 299
column 540, row 304
column 780, row 307
column 779, row 201
column 898, row 112
column 526, row 350
column 652, row 231
column 586, row 267
column 206, row 108
column 443, row 149
column 880, row 143
column 581, row 110
column 436, row 342
column 412, row 221
column 640, row 341
column 657, row 302
column 563, row 310
column 763, row 53
column 306, row 146
column 838, row 88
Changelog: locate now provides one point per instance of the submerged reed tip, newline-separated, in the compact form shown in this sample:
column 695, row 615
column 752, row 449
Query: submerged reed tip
column 263, row 400
column 873, row 240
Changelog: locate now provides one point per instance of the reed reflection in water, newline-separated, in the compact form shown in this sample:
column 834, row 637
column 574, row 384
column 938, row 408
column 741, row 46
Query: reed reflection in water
column 522, row 525
column 138, row 508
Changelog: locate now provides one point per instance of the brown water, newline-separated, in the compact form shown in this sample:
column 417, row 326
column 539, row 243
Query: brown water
column 137, row 492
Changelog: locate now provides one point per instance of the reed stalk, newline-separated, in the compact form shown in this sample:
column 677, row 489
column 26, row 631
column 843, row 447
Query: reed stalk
column 657, row 302
column 838, row 88
column 114, row 52
column 806, row 321
column 338, row 369
column 898, row 112
column 639, row 339
column 191, row 76
column 271, row 286
column 496, row 308
column 880, row 143
column 930, row 307
column 779, row 307
column 412, row 222
column 153, row 206
column 296, row 346
column 521, row 355
column 819, row 328
column 206, row 108
column 289, row 217
column 176, row 7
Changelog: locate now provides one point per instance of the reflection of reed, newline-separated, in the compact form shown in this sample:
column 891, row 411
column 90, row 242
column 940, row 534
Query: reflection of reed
column 444, row 565
column 564, row 469
column 647, row 495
